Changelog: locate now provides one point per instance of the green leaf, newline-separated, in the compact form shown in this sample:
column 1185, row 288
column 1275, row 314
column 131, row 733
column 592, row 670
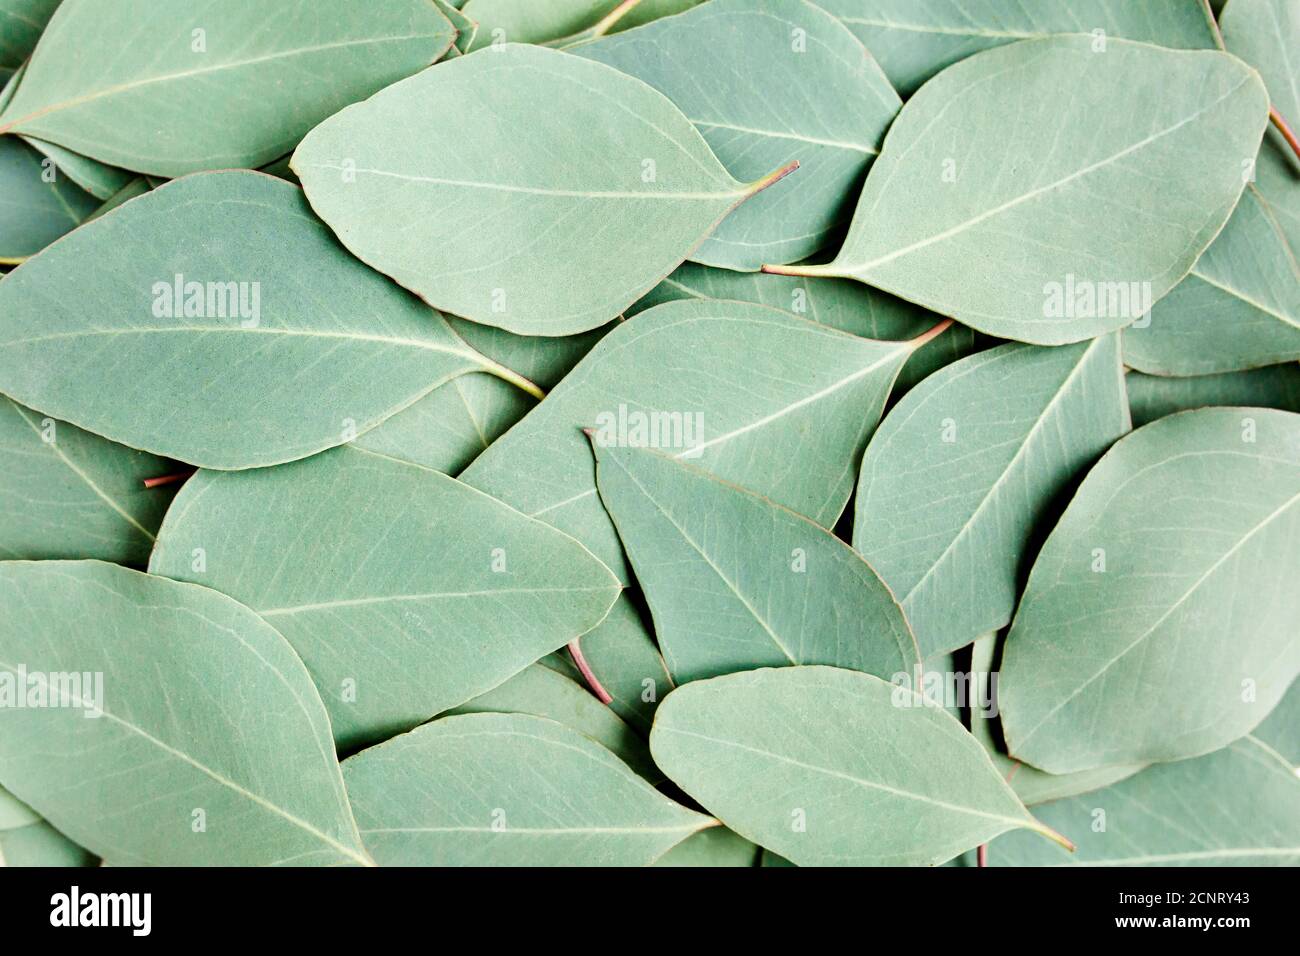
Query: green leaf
column 1031, row 786
column 1279, row 729
column 21, row 23
column 453, row 203
column 543, row 359
column 405, row 592
column 833, row 767
column 205, row 716
column 716, row 846
column 543, row 692
column 756, row 120
column 508, row 790
column 39, row 844
column 14, row 813
column 527, row 21
column 285, row 359
column 1159, row 619
column 1155, row 396
column 625, row 661
column 840, row 303
column 1265, row 34
column 176, row 89
column 735, row 581
column 1239, row 308
column 1054, row 243
column 756, row 388
column 65, row 493
column 967, row 465
column 1239, row 806
column 136, row 187
column 33, row 211
column 465, row 28
column 94, row 177
column 914, row 41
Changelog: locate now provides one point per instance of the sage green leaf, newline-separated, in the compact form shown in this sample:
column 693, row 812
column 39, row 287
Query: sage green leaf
column 21, row 23
column 94, row 177
column 716, row 846
column 65, row 493
column 968, row 464
column 772, row 859
column 1031, row 786
column 746, row 390
column 735, row 581
column 914, row 41
column 39, row 844
column 840, row 303
column 390, row 641
column 1279, row 729
column 1239, row 308
column 454, row 203
column 1239, row 806
column 542, row 692
column 14, row 813
column 527, row 21
column 1265, row 33
column 8, row 83
column 1054, row 244
column 465, row 28
column 508, row 790
column 172, row 88
column 204, row 714
column 1155, row 396
column 452, row 425
column 755, row 120
column 282, row 360
column 624, row 660
column 34, row 211
column 542, row 359
column 833, row 767
column 136, row 187
column 1159, row 619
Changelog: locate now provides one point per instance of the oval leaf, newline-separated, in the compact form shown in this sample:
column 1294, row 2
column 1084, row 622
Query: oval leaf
column 464, row 791
column 172, row 88
column 1135, row 641
column 1155, row 396
column 430, row 592
column 453, row 202
column 231, row 352
column 736, row 581
column 102, row 642
column 821, row 765
column 757, row 119
column 33, row 211
column 1053, row 244
column 967, row 465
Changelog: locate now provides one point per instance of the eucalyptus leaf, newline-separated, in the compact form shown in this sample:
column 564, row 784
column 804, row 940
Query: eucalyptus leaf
column 744, row 389
column 624, row 660
column 405, row 592
column 914, row 40
column 1054, row 243
column 543, row 692
column 465, row 28
column 1031, row 786
column 37, row 205
column 735, row 581
column 170, row 88
column 136, row 187
column 833, row 767
column 280, row 361
column 39, row 844
column 755, row 120
column 1239, row 806
column 840, row 303
column 1155, row 396
column 542, row 359
column 94, row 177
column 65, row 493
column 968, row 464
column 527, row 21
column 1159, row 619
column 536, row 220
column 1265, row 33
column 14, row 813
column 21, row 23
column 512, row 790
column 716, row 846
column 1278, row 730
column 248, row 754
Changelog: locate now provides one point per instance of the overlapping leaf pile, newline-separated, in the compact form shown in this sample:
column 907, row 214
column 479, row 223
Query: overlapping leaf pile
column 698, row 433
